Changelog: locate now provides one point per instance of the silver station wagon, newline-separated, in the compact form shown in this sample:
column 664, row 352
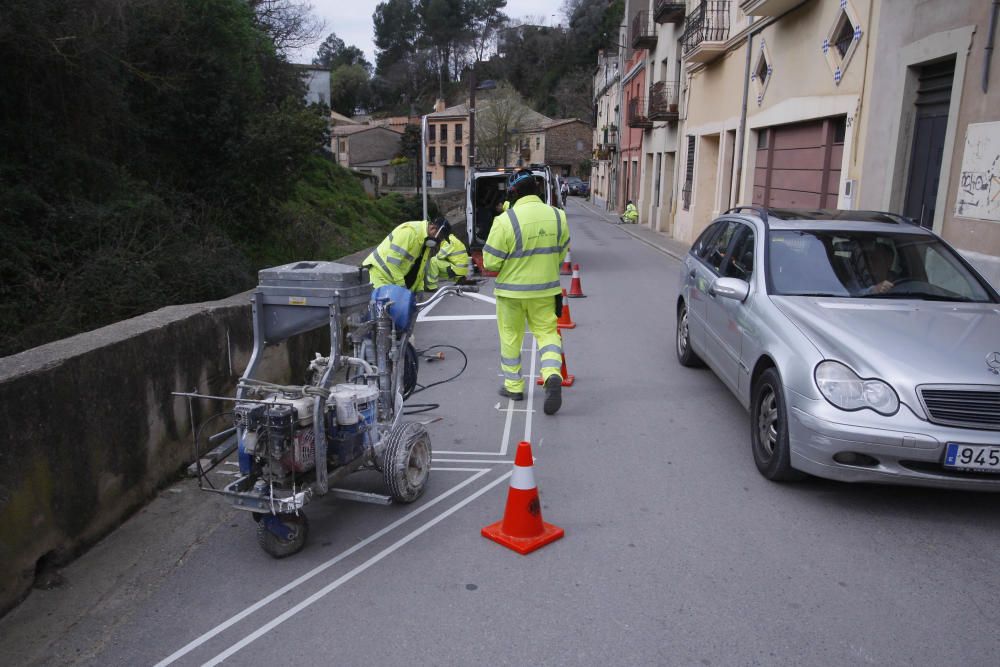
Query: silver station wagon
column 865, row 348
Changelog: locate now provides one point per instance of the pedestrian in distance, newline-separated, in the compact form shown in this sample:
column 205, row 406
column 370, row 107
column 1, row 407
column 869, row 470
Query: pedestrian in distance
column 401, row 259
column 526, row 247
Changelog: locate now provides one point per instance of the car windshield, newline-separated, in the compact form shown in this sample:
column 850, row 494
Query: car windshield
column 869, row 265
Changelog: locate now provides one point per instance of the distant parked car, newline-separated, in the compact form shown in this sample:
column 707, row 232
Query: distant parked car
column 577, row 186
column 865, row 347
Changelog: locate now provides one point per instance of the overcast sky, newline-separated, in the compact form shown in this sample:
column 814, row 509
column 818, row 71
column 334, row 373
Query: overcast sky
column 352, row 21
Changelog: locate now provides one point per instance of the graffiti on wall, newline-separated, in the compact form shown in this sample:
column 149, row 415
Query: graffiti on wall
column 979, row 185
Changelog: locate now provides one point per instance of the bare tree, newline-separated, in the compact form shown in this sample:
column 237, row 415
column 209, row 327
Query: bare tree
column 291, row 24
column 497, row 119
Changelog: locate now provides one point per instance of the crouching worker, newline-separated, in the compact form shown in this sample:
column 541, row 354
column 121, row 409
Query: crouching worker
column 526, row 247
column 402, row 258
column 450, row 263
column 631, row 214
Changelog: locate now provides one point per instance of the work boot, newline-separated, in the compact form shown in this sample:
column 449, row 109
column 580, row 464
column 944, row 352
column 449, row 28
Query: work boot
column 553, row 395
column 512, row 395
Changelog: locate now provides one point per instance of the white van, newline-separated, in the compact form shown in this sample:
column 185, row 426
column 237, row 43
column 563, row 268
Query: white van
column 486, row 192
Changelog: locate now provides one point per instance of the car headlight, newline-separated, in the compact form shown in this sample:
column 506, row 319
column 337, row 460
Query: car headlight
column 844, row 389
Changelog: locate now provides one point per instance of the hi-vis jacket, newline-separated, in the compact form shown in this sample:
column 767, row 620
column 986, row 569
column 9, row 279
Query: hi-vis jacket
column 451, row 261
column 526, row 247
column 631, row 213
column 389, row 263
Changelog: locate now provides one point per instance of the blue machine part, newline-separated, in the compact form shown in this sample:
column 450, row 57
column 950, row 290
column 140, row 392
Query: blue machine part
column 402, row 306
column 244, row 458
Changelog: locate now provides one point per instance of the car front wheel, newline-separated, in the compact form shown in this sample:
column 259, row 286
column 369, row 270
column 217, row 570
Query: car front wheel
column 769, row 429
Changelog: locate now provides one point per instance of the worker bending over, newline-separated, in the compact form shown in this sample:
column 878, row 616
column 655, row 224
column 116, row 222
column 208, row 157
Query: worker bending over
column 450, row 263
column 403, row 255
column 526, row 247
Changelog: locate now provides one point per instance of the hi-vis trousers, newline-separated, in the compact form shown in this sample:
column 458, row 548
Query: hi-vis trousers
column 541, row 318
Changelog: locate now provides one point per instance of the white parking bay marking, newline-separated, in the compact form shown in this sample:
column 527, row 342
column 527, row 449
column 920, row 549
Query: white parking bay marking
column 180, row 653
column 323, row 592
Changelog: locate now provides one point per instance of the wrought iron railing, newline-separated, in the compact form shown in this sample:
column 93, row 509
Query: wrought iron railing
column 643, row 32
column 669, row 12
column 663, row 97
column 709, row 22
column 638, row 116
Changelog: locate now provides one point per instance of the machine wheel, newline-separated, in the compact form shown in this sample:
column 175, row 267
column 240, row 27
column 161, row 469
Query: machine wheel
column 406, row 462
column 769, row 430
column 685, row 355
column 296, row 528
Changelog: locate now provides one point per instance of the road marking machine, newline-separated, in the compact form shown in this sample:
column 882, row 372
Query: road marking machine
column 295, row 443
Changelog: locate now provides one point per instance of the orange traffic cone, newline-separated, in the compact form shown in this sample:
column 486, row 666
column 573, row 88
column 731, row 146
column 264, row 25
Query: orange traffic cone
column 566, row 269
column 522, row 528
column 565, row 319
column 575, row 290
column 567, row 379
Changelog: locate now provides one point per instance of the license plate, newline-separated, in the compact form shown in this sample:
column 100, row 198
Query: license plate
column 982, row 458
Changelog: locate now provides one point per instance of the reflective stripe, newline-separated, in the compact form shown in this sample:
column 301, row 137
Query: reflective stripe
column 550, row 250
column 378, row 258
column 493, row 251
column 565, row 245
column 516, row 377
column 523, row 478
column 549, row 348
column 510, row 361
column 558, row 224
column 395, row 260
column 526, row 288
column 450, row 254
column 551, row 363
column 402, row 251
column 518, row 243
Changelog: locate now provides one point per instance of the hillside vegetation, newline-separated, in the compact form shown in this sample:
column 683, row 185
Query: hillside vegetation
column 155, row 152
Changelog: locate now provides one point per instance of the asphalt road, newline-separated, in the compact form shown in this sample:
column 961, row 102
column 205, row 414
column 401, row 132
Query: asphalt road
column 676, row 551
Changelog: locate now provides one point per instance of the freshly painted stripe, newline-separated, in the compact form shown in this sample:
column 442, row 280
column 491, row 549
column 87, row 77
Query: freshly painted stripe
column 334, row 585
column 523, row 478
column 295, row 583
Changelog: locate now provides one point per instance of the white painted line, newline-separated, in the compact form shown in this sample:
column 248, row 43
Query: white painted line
column 326, row 590
column 436, row 460
column 422, row 315
column 531, row 390
column 468, row 453
column 187, row 648
column 466, row 469
column 455, row 318
column 512, row 409
column 506, row 427
column 481, row 297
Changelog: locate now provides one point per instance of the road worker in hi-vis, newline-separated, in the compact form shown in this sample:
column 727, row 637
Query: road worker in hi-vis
column 450, row 263
column 631, row 214
column 526, row 247
column 403, row 254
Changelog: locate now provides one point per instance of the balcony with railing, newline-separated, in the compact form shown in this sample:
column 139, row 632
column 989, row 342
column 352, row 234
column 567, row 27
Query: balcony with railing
column 669, row 12
column 638, row 116
column 643, row 32
column 707, row 30
column 663, row 98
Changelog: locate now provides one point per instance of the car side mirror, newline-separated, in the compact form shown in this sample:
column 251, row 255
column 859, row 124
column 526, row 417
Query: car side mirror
column 730, row 288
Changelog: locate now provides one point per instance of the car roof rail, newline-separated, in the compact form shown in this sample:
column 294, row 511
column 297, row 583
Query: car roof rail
column 760, row 210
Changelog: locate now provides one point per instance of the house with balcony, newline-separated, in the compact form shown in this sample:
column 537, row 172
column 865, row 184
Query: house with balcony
column 607, row 120
column 656, row 26
column 798, row 70
column 562, row 144
column 635, row 38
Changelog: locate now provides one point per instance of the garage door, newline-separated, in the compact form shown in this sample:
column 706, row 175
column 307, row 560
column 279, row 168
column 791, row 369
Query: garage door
column 798, row 165
column 454, row 178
